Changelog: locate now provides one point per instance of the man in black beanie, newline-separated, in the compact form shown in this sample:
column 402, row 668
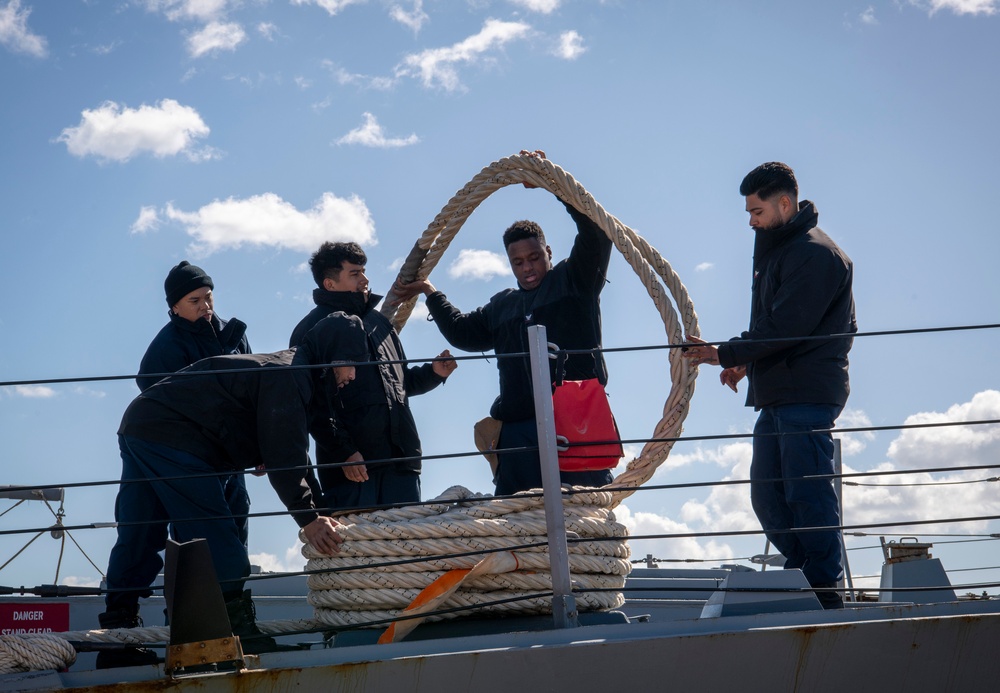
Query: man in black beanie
column 194, row 331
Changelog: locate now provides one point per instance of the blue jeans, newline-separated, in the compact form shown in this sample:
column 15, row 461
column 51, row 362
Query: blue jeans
column 152, row 503
column 793, row 502
column 521, row 470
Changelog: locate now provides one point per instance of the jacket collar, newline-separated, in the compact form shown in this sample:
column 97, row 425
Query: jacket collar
column 206, row 327
column 805, row 220
column 351, row 302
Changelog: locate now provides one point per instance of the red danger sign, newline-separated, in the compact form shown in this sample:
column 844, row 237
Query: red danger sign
column 22, row 619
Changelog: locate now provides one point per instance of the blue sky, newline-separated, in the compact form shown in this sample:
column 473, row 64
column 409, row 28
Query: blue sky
column 241, row 134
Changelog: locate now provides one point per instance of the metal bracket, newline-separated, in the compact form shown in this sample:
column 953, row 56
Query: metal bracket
column 196, row 658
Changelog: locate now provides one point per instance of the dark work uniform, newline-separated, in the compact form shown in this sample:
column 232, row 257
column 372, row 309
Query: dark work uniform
column 180, row 343
column 372, row 416
column 567, row 302
column 802, row 286
column 176, row 434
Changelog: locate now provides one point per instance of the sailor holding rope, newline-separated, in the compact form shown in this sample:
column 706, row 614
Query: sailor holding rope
column 565, row 298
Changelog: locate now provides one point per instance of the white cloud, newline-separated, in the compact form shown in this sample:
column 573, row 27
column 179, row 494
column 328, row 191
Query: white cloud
column 148, row 220
column 293, row 561
column 268, row 221
column 76, row 581
column 420, row 311
column 303, row 82
column 950, row 446
column 34, row 391
column 436, row 67
column 343, row 77
column 15, row 35
column 570, row 46
column 371, row 134
column 331, row 6
column 645, row 523
column 853, row 443
column 116, row 133
column 541, row 6
column 89, row 392
column 704, row 266
column 868, row 16
column 726, row 456
column 197, row 10
column 215, row 36
column 974, row 7
column 479, row 264
column 320, row 106
column 106, row 49
column 268, row 30
column 413, row 19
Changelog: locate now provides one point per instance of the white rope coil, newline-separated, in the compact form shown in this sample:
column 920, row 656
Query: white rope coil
column 37, row 652
column 460, row 522
column 34, row 652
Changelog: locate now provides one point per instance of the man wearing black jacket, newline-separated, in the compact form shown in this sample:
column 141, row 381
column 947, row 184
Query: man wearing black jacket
column 370, row 424
column 802, row 287
column 177, row 435
column 566, row 299
column 195, row 331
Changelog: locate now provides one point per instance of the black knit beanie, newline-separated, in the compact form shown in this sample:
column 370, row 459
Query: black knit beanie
column 183, row 279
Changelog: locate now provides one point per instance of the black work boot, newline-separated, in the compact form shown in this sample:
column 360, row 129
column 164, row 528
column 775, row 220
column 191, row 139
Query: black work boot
column 243, row 619
column 127, row 617
column 828, row 597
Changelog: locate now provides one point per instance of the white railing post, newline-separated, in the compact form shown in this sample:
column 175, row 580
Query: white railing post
column 563, row 602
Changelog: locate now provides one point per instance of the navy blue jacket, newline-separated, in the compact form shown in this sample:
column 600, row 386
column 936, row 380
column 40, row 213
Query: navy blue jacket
column 567, row 302
column 802, row 286
column 181, row 342
column 257, row 416
column 371, row 416
column 235, row 420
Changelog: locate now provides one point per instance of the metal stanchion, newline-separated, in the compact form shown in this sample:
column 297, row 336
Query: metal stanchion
column 564, row 611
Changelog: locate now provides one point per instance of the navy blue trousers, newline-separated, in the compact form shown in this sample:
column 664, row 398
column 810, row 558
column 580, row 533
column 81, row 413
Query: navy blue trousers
column 386, row 485
column 234, row 487
column 521, row 471
column 794, row 502
column 145, row 507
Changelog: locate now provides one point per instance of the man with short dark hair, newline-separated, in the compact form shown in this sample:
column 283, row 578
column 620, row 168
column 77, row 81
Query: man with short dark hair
column 181, row 438
column 565, row 298
column 369, row 425
column 802, row 288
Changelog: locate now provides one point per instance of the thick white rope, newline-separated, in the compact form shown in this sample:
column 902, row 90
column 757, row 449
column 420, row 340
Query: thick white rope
column 360, row 589
column 39, row 651
column 34, row 652
column 657, row 276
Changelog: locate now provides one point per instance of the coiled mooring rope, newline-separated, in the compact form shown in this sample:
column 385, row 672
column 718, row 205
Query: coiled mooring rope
column 454, row 525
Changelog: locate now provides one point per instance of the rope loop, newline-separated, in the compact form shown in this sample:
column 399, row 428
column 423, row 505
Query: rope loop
column 662, row 284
